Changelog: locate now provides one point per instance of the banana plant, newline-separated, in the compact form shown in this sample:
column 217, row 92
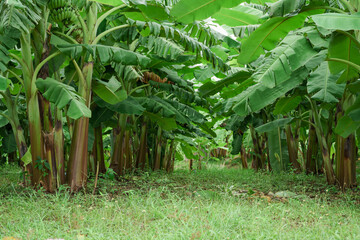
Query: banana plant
column 24, row 17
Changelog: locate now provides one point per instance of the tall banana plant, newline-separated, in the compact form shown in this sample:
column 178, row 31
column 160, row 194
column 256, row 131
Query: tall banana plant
column 347, row 66
column 25, row 17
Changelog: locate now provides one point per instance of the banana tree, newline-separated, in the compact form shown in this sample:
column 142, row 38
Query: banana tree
column 347, row 66
column 25, row 17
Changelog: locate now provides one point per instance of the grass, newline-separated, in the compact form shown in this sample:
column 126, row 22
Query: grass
column 209, row 204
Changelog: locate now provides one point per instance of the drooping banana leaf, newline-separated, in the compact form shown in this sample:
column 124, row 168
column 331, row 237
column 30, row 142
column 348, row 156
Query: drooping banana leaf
column 211, row 88
column 291, row 54
column 338, row 21
column 259, row 96
column 346, row 126
column 159, row 106
column 173, row 76
column 8, row 144
column 287, row 104
column 316, row 40
column 323, row 85
column 128, row 106
column 204, row 73
column 22, row 15
column 165, row 123
column 3, row 83
column 236, row 143
column 203, row 33
column 105, row 93
column 207, row 129
column 267, row 36
column 120, row 55
column 8, row 39
column 125, row 72
column 154, row 11
column 188, row 111
column 99, row 115
column 273, row 125
column 189, row 43
column 230, row 92
column 106, row 53
column 3, row 120
column 245, row 30
column 62, row 95
column 181, row 94
column 238, row 125
column 163, row 47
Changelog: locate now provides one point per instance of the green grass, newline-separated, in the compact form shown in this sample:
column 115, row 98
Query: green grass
column 208, row 204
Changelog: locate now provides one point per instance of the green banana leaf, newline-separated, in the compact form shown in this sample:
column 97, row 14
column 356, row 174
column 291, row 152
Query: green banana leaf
column 283, row 7
column 211, row 88
column 259, row 96
column 188, row 11
column 105, row 93
column 287, row 104
column 274, row 125
column 233, row 18
column 267, row 36
column 338, row 21
column 3, row 83
column 165, row 123
column 3, row 120
column 342, row 47
column 291, row 54
column 62, row 95
column 346, row 126
column 323, row 85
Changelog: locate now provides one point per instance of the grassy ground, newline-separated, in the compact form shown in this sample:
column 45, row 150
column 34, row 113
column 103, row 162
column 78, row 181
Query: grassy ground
column 208, row 204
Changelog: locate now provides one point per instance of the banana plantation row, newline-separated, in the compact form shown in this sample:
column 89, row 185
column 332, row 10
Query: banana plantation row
column 87, row 86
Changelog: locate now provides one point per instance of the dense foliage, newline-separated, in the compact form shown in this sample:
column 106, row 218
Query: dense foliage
column 89, row 87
